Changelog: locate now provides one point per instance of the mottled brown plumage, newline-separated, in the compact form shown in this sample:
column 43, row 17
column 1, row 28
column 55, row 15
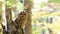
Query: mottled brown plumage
column 21, row 21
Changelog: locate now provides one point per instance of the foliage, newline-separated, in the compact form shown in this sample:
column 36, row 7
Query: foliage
column 19, row 6
column 42, row 4
column 55, row 1
column 9, row 3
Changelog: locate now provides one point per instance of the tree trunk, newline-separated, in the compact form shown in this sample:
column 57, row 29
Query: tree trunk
column 8, row 19
column 28, row 26
column 1, row 29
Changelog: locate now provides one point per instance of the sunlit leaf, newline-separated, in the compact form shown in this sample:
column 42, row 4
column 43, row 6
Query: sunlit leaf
column 55, row 1
column 19, row 6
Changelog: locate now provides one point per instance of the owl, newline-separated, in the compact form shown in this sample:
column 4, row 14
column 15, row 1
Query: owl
column 20, row 22
column 21, row 19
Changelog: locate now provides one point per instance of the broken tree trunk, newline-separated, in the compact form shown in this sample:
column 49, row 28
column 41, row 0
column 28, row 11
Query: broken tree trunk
column 28, row 26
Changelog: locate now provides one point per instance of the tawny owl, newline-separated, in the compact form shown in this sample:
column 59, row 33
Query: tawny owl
column 21, row 19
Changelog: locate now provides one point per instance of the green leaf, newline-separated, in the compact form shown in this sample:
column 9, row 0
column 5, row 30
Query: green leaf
column 42, row 5
column 19, row 6
column 11, row 1
column 9, row 5
column 55, row 1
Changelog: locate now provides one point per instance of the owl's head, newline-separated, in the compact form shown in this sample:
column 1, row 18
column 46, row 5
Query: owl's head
column 22, row 15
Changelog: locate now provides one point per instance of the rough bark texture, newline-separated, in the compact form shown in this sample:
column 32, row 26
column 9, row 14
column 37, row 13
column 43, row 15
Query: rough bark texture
column 28, row 29
column 9, row 19
column 28, row 26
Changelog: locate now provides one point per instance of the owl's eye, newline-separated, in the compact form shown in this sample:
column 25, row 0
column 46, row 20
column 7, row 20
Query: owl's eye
column 24, row 14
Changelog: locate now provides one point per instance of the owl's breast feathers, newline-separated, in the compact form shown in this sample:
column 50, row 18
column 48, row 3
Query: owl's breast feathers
column 21, row 19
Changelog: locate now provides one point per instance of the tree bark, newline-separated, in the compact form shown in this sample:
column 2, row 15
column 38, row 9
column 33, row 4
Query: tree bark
column 28, row 26
column 9, row 20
